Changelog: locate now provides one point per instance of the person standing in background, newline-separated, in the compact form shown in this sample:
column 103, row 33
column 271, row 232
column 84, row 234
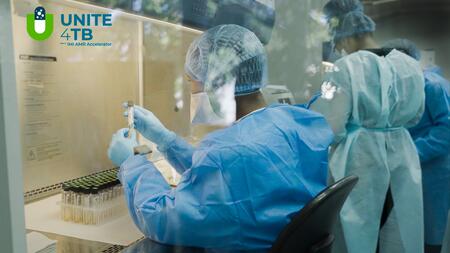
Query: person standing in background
column 432, row 139
column 370, row 99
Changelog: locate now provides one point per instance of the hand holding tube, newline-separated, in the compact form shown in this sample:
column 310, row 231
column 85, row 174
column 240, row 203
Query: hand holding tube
column 150, row 127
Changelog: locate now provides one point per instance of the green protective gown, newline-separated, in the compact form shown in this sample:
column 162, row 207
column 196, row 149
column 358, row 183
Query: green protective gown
column 370, row 101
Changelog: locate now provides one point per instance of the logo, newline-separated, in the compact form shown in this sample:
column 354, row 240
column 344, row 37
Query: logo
column 39, row 24
column 80, row 28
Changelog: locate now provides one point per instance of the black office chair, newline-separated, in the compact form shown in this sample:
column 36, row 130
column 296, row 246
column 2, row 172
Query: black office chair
column 311, row 230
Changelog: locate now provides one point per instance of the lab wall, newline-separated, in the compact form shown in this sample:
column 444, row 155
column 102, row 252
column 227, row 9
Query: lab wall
column 429, row 30
column 296, row 44
column 426, row 22
column 378, row 9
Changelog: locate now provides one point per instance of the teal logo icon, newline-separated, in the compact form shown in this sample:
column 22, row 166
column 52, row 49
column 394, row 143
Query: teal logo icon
column 39, row 24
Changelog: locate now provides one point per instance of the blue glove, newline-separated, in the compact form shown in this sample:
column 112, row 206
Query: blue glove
column 150, row 127
column 121, row 147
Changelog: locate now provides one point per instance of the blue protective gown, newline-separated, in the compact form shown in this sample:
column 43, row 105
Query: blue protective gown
column 239, row 187
column 432, row 139
column 370, row 102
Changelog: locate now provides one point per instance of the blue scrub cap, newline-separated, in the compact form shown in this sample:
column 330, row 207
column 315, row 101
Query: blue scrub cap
column 408, row 46
column 350, row 17
column 226, row 53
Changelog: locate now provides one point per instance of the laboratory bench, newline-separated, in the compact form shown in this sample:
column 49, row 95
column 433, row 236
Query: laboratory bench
column 67, row 244
column 73, row 245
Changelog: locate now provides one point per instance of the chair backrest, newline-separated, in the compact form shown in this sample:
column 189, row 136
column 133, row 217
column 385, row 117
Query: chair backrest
column 311, row 229
column 446, row 243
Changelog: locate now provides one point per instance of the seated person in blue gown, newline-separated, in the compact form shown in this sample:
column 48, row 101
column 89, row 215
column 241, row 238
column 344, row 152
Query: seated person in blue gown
column 241, row 184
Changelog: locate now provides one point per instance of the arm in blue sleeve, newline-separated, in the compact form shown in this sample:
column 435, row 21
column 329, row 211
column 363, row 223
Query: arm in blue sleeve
column 129, row 173
column 179, row 154
column 313, row 99
column 437, row 141
column 189, row 215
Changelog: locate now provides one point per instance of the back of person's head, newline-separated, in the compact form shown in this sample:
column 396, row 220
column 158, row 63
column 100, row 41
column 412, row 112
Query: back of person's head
column 405, row 46
column 347, row 19
column 228, row 54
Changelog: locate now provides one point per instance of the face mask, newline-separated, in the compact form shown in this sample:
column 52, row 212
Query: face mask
column 343, row 53
column 202, row 112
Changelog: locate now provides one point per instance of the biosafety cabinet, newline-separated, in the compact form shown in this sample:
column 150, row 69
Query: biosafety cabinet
column 66, row 68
